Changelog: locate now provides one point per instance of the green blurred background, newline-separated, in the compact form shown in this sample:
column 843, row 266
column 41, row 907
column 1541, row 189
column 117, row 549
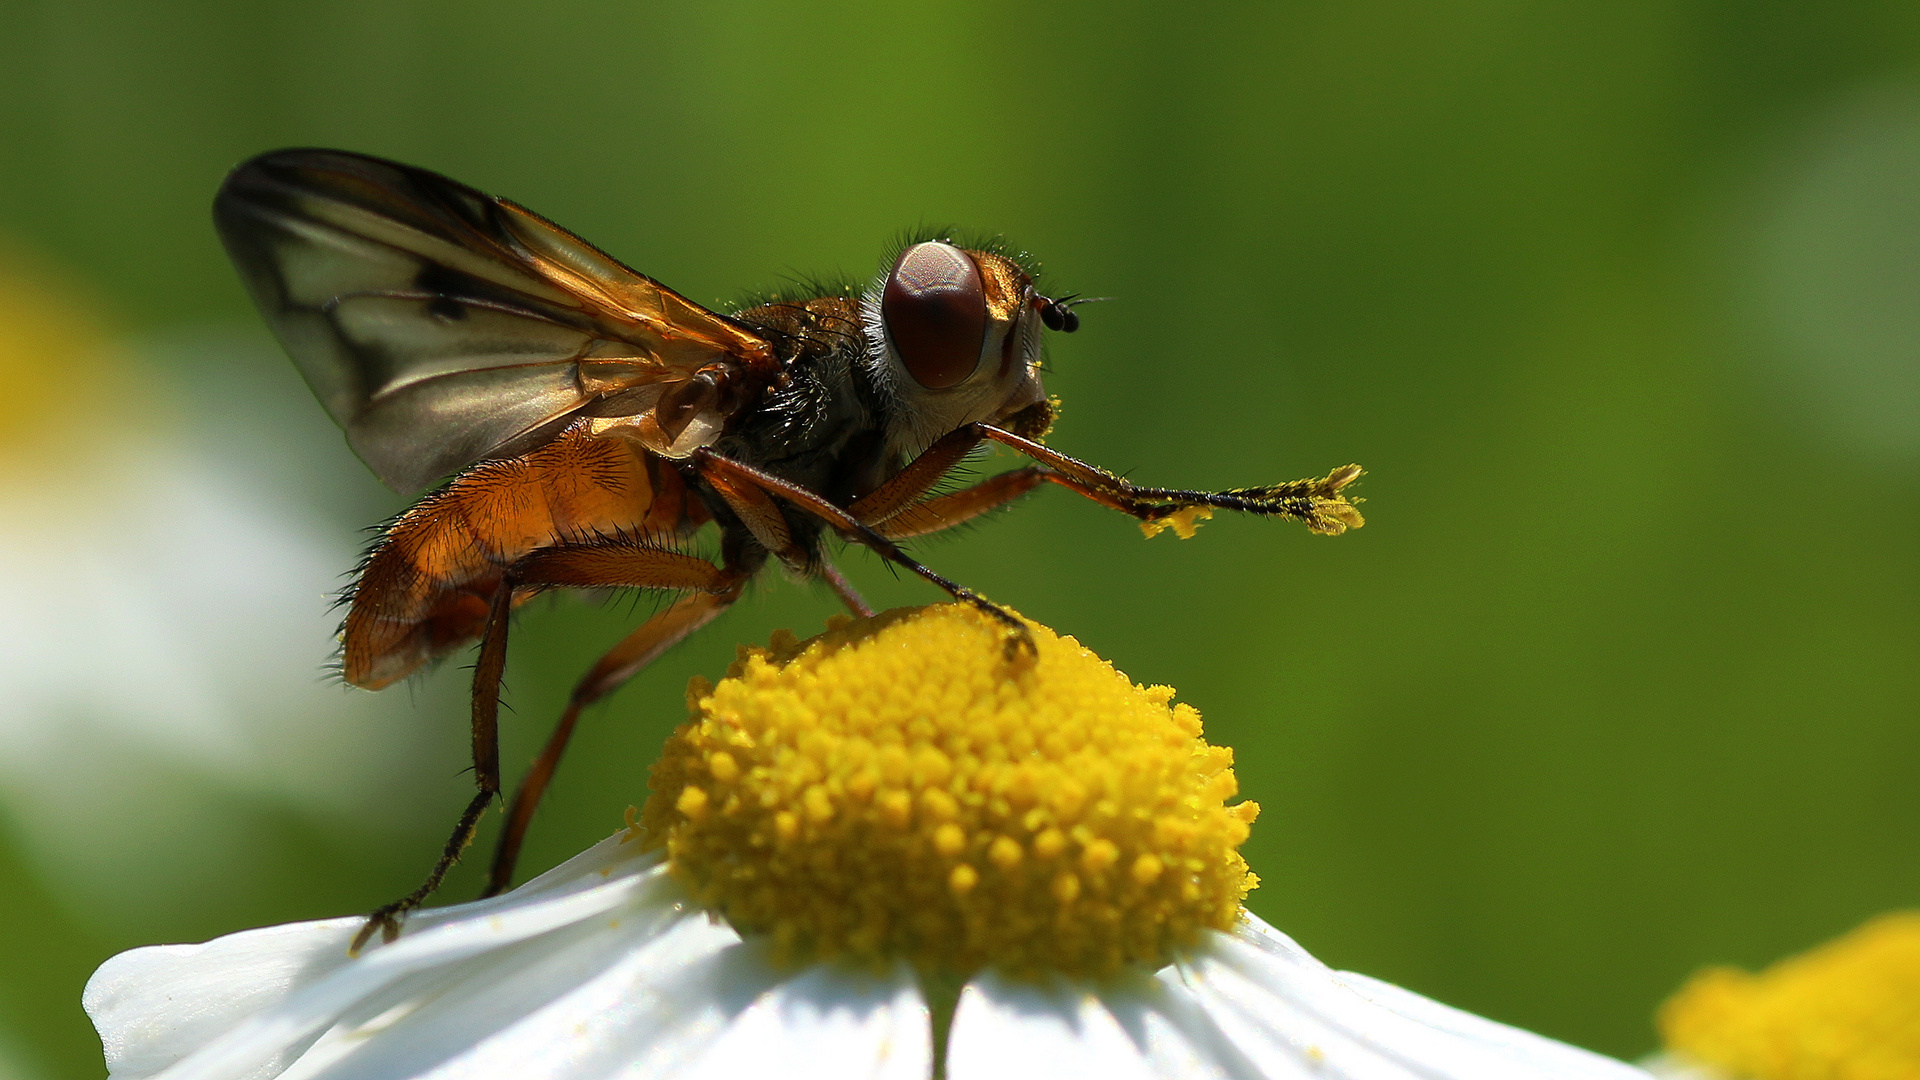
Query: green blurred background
column 1619, row 304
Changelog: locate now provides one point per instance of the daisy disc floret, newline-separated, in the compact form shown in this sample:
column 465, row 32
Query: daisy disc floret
column 893, row 789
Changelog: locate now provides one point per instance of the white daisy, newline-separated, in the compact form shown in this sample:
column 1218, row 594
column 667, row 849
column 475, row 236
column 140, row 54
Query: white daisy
column 860, row 855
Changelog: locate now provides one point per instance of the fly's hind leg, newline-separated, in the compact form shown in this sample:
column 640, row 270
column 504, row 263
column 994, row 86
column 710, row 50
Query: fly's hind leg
column 618, row 563
column 486, row 769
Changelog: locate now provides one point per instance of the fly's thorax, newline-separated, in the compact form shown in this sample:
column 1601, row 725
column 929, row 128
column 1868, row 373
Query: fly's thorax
column 952, row 337
column 819, row 423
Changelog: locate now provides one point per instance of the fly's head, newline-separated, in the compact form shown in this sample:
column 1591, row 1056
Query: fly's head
column 954, row 337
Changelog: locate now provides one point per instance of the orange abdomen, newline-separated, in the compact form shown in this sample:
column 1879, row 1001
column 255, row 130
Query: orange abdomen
column 425, row 588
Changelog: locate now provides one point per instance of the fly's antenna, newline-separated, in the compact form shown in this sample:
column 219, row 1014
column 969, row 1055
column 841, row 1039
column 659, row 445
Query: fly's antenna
column 1058, row 313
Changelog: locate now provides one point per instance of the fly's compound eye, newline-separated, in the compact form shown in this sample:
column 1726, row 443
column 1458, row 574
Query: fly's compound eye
column 1056, row 315
column 935, row 308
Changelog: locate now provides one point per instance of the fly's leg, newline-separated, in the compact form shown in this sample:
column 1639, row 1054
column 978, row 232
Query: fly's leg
column 843, row 589
column 897, row 508
column 907, row 487
column 1317, row 503
column 956, row 508
column 621, row 663
column 611, row 564
column 750, row 493
column 486, row 769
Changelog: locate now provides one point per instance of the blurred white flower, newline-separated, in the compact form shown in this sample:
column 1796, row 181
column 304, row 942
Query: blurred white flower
column 1675, row 1067
column 167, row 619
column 1832, row 270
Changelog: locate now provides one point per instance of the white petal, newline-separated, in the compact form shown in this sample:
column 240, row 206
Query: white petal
column 268, row 993
column 556, row 1004
column 824, row 1023
column 1293, row 1016
column 1671, row 1066
column 694, row 1002
column 1549, row 1057
column 1004, row 1029
column 1250, row 1004
column 594, row 970
column 154, row 1006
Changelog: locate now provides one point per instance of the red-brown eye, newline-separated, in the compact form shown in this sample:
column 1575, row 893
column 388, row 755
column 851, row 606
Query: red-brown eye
column 935, row 308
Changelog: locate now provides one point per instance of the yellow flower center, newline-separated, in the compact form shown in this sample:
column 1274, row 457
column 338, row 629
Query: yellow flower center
column 894, row 788
column 51, row 343
column 1848, row 1010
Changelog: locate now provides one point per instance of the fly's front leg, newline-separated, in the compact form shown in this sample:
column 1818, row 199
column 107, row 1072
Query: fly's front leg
column 1317, row 503
column 906, row 488
column 959, row 507
column 901, row 507
column 748, row 492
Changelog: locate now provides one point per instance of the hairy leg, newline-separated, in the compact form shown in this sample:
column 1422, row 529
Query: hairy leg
column 611, row 564
column 956, row 508
column 486, row 769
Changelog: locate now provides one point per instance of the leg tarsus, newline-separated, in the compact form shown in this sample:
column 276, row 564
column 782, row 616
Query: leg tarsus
column 387, row 918
column 1017, row 646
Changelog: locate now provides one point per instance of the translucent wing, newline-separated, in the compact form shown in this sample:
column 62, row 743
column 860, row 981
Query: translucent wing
column 440, row 325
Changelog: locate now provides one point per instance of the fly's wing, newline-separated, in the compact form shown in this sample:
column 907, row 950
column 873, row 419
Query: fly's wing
column 440, row 325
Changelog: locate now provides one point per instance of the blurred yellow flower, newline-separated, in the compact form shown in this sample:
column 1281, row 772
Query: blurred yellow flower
column 67, row 391
column 1846, row 1010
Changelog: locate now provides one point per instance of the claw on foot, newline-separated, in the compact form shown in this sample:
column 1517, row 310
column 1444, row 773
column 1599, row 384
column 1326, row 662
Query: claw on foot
column 1017, row 646
column 1333, row 514
column 1019, row 649
column 1334, row 518
column 387, row 920
column 1328, row 512
column 1341, row 477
